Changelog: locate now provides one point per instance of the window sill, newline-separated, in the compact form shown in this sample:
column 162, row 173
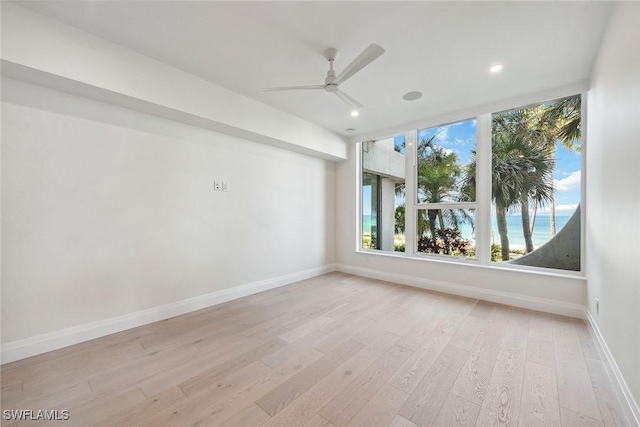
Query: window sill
column 474, row 263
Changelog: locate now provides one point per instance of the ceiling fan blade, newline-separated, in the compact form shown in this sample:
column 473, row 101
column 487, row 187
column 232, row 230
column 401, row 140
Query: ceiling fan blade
column 348, row 100
column 369, row 55
column 276, row 89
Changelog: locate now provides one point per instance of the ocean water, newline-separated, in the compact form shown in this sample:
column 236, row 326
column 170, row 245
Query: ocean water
column 541, row 231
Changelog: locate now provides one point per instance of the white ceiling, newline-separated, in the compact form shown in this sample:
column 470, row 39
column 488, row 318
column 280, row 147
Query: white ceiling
column 442, row 49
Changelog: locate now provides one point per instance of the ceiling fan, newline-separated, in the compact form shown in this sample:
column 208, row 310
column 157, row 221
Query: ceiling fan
column 331, row 82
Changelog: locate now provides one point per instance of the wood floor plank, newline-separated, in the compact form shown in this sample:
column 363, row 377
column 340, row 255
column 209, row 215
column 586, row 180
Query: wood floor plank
column 501, row 404
column 230, row 403
column 541, row 327
column 135, row 414
column 302, row 346
column 468, row 333
column 414, row 369
column 435, row 314
column 586, row 341
column 400, row 421
column 211, row 330
column 482, row 309
column 208, row 402
column 252, row 415
column 342, row 408
column 204, row 380
column 381, row 409
column 379, row 308
column 397, row 323
column 610, row 408
column 318, row 421
column 309, row 403
column 301, row 316
column 429, row 395
column 473, row 380
column 99, row 406
column 202, row 361
column 413, row 337
column 567, row 348
column 575, row 390
column 339, row 336
column 539, row 405
column 457, row 412
column 305, row 329
column 541, row 351
column 104, row 353
column 279, row 398
column 370, row 335
column 338, row 323
column 143, row 368
column 11, row 390
column 47, row 397
column 571, row 418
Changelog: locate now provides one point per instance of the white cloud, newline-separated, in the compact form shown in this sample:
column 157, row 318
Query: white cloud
column 571, row 182
column 442, row 135
column 560, row 208
column 570, row 208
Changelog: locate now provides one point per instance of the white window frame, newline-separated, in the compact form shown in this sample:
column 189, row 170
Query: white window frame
column 483, row 203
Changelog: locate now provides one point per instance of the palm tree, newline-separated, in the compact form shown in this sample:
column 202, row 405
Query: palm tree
column 560, row 120
column 521, row 126
column 520, row 171
column 438, row 180
column 566, row 113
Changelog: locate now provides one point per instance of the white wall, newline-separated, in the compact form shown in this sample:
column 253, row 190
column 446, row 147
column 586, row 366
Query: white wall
column 106, row 211
column 613, row 192
column 563, row 295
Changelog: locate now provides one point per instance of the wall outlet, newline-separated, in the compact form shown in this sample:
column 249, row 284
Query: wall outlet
column 225, row 186
column 216, row 185
column 597, row 306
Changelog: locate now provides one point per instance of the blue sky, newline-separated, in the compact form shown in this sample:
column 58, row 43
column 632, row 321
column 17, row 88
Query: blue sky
column 566, row 179
column 458, row 137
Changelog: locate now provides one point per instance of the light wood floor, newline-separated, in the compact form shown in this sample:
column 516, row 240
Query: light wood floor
column 336, row 350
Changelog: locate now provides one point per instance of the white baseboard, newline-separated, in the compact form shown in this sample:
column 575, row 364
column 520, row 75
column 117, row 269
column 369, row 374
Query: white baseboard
column 507, row 298
column 28, row 347
column 632, row 408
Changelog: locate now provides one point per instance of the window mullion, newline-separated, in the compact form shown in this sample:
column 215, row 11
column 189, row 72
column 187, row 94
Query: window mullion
column 410, row 193
column 483, row 189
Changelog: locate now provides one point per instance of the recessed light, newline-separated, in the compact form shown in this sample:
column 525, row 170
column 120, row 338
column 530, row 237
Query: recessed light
column 496, row 68
column 350, row 129
column 354, row 113
column 412, row 96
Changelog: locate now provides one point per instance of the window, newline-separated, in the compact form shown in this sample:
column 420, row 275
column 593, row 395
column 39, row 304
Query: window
column 383, row 194
column 500, row 188
column 446, row 189
column 536, row 180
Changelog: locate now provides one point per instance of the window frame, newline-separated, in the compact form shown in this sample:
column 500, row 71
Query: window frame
column 483, row 202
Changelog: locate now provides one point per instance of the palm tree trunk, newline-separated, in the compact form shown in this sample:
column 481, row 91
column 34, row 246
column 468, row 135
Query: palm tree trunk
column 526, row 231
column 501, row 215
column 533, row 218
column 552, row 203
column 422, row 222
column 432, row 214
column 441, row 220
